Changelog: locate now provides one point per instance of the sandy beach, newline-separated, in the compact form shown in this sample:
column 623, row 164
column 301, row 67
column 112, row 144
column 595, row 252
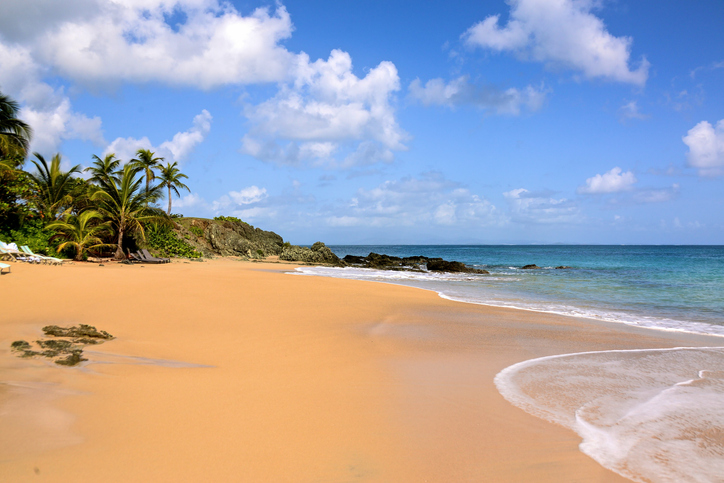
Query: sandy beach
column 236, row 371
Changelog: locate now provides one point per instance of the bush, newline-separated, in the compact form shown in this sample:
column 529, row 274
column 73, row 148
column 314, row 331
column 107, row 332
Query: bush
column 233, row 219
column 163, row 239
column 197, row 231
column 32, row 233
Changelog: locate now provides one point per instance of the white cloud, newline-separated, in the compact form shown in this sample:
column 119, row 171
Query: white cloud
column 611, row 182
column 461, row 91
column 659, row 195
column 326, row 111
column 560, row 32
column 177, row 149
column 237, row 200
column 190, row 200
column 47, row 110
column 540, row 208
column 109, row 41
column 184, row 142
column 630, row 110
column 430, row 199
column 706, row 148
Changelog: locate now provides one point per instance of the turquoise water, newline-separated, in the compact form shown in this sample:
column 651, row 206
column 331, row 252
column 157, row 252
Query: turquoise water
column 665, row 287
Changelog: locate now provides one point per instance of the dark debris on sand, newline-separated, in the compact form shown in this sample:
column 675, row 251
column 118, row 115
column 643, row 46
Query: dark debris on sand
column 66, row 345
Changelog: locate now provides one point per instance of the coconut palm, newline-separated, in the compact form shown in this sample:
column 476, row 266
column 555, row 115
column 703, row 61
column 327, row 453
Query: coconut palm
column 54, row 186
column 171, row 178
column 80, row 231
column 124, row 204
column 14, row 134
column 103, row 168
column 147, row 163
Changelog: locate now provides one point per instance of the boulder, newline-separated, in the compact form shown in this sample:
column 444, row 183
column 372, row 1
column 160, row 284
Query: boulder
column 530, row 267
column 319, row 253
column 439, row 265
column 562, row 267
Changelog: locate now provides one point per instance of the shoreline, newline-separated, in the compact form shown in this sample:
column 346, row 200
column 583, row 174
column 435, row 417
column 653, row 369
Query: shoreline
column 332, row 379
column 535, row 310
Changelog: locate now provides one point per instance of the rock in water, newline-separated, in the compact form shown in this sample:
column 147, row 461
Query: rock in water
column 530, row 267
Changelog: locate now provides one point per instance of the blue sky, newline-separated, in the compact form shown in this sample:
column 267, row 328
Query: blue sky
column 526, row 121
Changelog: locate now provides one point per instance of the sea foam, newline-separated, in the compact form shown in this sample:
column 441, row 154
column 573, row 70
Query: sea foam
column 649, row 415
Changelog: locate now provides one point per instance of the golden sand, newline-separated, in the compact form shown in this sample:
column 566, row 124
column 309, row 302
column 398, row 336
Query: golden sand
column 236, row 371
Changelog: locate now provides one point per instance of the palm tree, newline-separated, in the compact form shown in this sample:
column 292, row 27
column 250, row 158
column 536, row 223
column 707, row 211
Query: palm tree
column 147, row 163
column 54, row 186
column 80, row 232
column 14, row 134
column 171, row 178
column 125, row 204
column 103, row 168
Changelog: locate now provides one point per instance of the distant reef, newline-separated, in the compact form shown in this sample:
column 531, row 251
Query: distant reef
column 233, row 237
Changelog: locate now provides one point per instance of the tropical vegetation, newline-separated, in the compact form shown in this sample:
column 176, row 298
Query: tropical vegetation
column 56, row 212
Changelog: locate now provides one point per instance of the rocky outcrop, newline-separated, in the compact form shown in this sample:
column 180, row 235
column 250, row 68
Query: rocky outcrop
column 530, row 267
column 228, row 238
column 319, row 253
column 416, row 264
column 562, row 267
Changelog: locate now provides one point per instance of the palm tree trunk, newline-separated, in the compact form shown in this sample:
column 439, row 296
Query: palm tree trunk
column 119, row 250
column 169, row 201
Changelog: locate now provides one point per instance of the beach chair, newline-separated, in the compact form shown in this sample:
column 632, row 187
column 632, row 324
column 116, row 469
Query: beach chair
column 4, row 266
column 43, row 258
column 147, row 255
column 138, row 257
column 134, row 257
column 15, row 254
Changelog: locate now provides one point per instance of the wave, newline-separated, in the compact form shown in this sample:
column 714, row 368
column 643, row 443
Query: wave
column 482, row 290
column 649, row 415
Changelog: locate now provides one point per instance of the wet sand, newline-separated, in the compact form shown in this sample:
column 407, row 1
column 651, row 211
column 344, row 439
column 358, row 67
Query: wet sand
column 236, row 371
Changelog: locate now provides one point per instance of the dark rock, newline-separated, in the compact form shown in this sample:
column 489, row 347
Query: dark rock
column 20, row 345
column 530, row 267
column 75, row 357
column 319, row 253
column 562, row 267
column 437, row 265
column 80, row 331
column 67, row 349
column 415, row 264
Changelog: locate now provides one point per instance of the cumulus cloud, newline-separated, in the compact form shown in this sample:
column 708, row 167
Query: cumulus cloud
column 201, row 43
column 428, row 199
column 236, row 200
column 560, row 32
column 47, row 110
column 328, row 116
column 177, row 149
column 531, row 207
column 706, row 148
column 461, row 92
column 613, row 181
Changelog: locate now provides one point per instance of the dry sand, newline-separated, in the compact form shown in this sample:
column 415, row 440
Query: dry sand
column 236, row 371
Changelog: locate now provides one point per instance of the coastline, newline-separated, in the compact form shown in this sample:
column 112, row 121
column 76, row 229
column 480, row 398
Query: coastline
column 298, row 379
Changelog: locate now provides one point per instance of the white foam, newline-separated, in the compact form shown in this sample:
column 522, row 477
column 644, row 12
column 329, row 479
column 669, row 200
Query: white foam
column 481, row 289
column 649, row 415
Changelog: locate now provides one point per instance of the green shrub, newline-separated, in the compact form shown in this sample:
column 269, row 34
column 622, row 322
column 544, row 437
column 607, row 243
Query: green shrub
column 260, row 253
column 287, row 245
column 165, row 240
column 197, row 231
column 32, row 233
column 228, row 218
column 176, row 215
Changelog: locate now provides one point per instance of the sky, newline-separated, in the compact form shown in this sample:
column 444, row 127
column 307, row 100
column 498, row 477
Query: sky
column 394, row 122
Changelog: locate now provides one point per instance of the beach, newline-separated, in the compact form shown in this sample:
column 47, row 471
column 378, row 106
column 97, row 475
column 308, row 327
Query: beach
column 238, row 371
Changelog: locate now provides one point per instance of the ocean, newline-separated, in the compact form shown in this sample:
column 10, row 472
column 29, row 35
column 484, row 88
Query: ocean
column 649, row 415
column 663, row 287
